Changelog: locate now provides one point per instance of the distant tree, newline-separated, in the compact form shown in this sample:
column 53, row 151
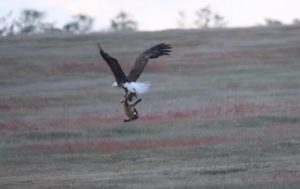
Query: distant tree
column 30, row 22
column 3, row 26
column 204, row 17
column 7, row 25
column 10, row 30
column 181, row 21
column 123, row 22
column 51, row 29
column 71, row 27
column 80, row 24
column 273, row 22
column 219, row 21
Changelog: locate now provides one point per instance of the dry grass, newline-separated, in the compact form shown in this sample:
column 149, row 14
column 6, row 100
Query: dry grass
column 223, row 111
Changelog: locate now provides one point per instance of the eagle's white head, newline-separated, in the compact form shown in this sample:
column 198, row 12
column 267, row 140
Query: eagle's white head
column 115, row 84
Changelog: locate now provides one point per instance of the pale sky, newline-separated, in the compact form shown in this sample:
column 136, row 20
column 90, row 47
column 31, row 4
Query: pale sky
column 159, row 14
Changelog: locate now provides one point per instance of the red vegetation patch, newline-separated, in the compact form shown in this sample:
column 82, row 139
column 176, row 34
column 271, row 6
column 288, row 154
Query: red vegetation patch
column 82, row 120
column 284, row 130
column 286, row 176
column 233, row 109
column 110, row 146
column 13, row 125
column 278, row 176
column 216, row 110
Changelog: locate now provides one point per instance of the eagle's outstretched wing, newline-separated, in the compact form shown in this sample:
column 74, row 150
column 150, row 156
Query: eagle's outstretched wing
column 140, row 63
column 114, row 66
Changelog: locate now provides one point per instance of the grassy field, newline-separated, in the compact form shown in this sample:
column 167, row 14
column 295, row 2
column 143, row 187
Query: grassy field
column 223, row 111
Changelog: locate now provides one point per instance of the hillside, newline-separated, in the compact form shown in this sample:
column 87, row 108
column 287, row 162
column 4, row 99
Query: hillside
column 223, row 111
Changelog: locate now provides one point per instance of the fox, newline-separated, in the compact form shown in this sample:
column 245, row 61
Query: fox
column 130, row 111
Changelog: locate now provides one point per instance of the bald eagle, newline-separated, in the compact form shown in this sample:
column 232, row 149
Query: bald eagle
column 129, row 83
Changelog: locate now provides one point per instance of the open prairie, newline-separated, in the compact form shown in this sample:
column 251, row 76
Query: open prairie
column 223, row 111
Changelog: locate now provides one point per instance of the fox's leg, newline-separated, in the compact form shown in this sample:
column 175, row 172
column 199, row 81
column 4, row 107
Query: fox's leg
column 136, row 102
column 133, row 104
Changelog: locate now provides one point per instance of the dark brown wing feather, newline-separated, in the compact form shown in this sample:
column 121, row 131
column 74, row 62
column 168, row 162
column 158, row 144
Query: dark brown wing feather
column 114, row 66
column 140, row 63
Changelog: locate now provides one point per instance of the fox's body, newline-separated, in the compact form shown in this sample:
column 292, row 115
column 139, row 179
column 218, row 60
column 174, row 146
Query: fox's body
column 129, row 109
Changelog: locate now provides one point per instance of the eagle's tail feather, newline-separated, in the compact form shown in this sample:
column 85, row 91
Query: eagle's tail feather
column 137, row 87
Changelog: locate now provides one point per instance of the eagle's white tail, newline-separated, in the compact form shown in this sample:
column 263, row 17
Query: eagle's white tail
column 137, row 87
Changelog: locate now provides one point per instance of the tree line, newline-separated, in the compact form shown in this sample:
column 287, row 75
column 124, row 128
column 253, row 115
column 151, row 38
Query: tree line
column 204, row 18
column 32, row 21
